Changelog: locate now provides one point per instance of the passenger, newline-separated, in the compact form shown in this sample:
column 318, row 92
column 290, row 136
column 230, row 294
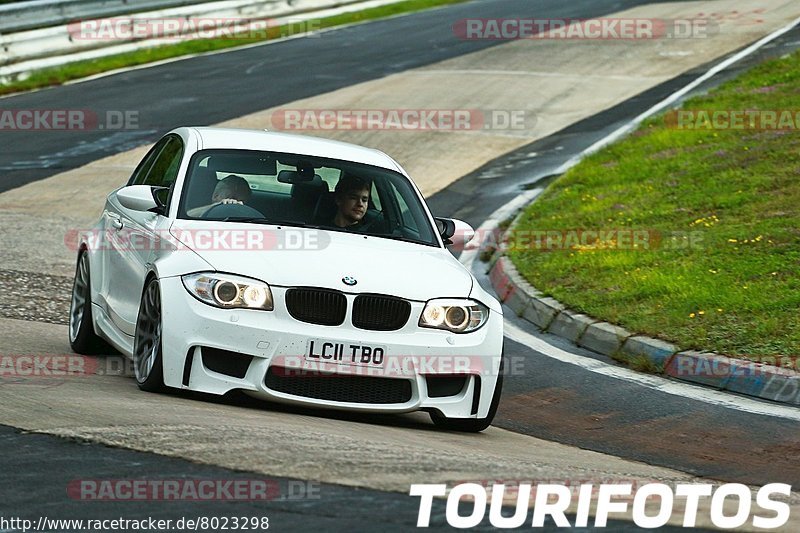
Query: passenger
column 231, row 189
column 352, row 198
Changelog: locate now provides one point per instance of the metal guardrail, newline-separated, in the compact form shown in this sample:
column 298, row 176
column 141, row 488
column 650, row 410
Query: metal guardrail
column 20, row 16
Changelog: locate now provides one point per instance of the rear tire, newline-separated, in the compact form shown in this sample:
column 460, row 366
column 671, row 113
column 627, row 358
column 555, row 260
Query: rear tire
column 147, row 359
column 82, row 338
column 472, row 425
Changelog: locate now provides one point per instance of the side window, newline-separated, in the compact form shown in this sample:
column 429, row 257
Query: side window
column 147, row 162
column 164, row 170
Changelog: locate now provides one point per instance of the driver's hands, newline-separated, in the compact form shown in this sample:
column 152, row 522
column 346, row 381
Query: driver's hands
column 231, row 201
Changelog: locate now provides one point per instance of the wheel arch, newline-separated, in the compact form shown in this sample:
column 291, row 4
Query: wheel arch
column 152, row 274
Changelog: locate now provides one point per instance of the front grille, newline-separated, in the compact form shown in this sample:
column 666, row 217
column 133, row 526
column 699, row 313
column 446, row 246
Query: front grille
column 338, row 388
column 316, row 306
column 381, row 313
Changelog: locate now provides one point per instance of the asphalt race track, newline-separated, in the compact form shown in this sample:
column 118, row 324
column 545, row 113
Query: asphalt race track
column 335, row 508
column 577, row 412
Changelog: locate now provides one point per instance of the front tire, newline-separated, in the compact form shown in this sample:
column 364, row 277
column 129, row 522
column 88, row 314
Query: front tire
column 472, row 425
column 147, row 358
column 82, row 338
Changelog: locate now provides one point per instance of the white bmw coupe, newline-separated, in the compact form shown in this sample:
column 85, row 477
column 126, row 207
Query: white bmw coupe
column 292, row 268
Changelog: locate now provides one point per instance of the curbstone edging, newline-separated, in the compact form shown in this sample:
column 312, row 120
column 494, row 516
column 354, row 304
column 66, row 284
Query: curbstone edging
column 570, row 325
column 521, row 293
column 704, row 368
column 542, row 311
column 781, row 386
column 749, row 377
column 518, row 301
column 656, row 351
column 499, row 278
column 604, row 338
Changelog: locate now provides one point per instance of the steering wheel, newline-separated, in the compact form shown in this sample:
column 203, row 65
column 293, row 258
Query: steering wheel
column 232, row 210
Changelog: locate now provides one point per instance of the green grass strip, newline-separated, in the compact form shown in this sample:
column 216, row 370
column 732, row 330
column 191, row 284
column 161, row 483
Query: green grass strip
column 721, row 211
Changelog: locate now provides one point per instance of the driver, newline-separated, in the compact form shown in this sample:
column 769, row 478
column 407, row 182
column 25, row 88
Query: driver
column 231, row 189
column 352, row 197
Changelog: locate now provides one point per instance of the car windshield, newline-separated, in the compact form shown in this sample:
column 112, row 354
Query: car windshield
column 303, row 191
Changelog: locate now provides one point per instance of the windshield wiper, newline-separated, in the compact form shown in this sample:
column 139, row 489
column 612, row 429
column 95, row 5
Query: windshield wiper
column 259, row 220
column 264, row 220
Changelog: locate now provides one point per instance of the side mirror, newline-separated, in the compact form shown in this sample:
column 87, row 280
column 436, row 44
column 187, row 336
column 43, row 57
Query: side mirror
column 455, row 233
column 143, row 198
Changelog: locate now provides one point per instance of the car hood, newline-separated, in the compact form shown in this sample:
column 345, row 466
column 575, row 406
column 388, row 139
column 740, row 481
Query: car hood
column 293, row 257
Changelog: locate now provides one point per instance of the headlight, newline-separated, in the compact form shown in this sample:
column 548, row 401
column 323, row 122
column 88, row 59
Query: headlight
column 458, row 316
column 228, row 291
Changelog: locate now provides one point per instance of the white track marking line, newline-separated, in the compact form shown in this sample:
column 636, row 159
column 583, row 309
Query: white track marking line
column 693, row 392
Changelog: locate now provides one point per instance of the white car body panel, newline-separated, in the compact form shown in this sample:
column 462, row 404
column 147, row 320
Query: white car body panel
column 405, row 269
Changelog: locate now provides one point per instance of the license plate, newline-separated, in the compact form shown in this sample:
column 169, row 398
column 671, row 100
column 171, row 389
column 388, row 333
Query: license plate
column 346, row 353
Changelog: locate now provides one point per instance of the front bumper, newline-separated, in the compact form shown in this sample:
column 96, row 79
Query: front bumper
column 275, row 340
